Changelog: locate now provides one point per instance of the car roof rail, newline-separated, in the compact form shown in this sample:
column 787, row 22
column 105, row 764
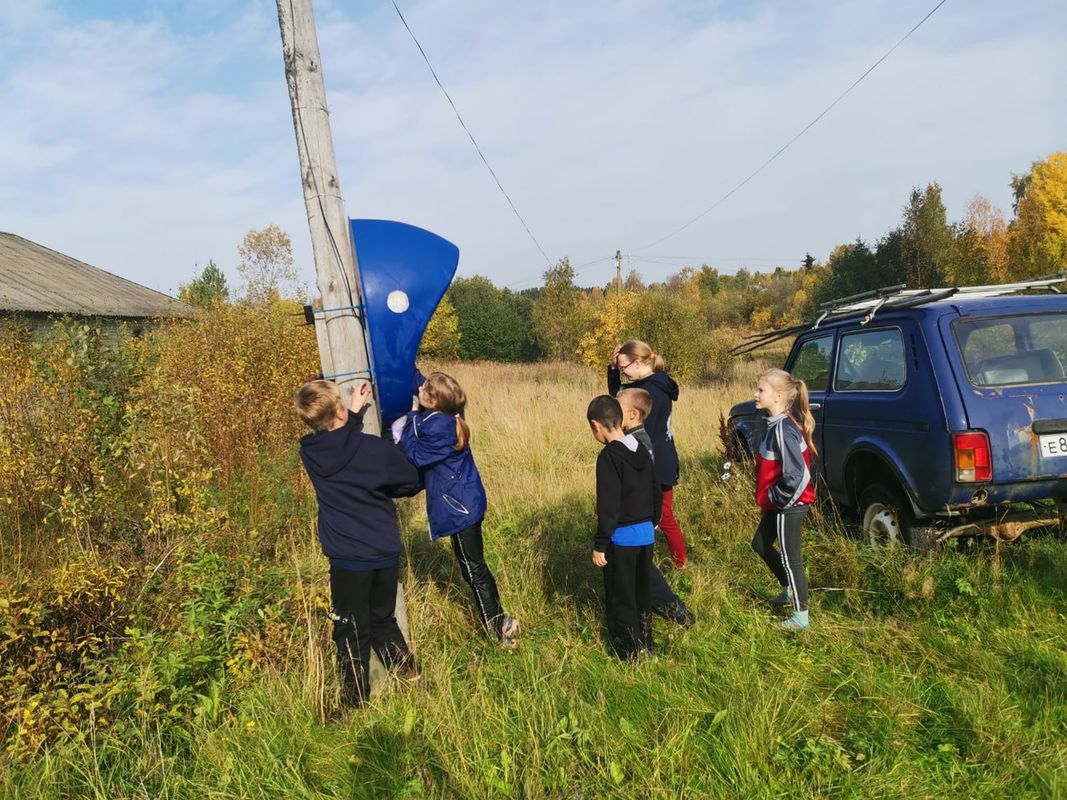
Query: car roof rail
column 888, row 298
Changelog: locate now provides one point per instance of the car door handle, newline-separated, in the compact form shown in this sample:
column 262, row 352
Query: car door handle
column 814, row 406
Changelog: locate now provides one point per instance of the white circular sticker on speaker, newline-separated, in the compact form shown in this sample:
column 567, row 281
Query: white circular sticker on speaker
column 397, row 301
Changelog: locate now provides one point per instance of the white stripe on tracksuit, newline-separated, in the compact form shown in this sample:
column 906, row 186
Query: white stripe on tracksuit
column 780, row 523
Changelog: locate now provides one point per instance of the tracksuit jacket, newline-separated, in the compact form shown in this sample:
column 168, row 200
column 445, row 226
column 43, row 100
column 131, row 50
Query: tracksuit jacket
column 783, row 467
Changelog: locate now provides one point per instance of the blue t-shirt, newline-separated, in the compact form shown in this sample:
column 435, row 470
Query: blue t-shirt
column 636, row 535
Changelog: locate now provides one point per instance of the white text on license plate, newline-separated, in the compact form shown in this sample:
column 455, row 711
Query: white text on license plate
column 1053, row 445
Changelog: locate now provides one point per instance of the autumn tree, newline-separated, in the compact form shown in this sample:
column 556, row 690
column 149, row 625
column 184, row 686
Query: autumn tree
column 1039, row 231
column 558, row 319
column 441, row 338
column 634, row 282
column 982, row 254
column 207, row 289
column 266, row 265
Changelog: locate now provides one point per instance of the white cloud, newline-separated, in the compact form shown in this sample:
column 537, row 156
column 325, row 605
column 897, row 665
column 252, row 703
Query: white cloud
column 147, row 146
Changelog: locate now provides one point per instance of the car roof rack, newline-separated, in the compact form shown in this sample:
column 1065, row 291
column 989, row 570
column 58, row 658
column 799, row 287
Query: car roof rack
column 890, row 298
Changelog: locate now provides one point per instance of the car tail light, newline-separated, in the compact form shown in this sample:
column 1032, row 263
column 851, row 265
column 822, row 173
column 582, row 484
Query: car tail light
column 973, row 458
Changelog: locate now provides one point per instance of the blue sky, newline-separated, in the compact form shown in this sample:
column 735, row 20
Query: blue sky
column 147, row 137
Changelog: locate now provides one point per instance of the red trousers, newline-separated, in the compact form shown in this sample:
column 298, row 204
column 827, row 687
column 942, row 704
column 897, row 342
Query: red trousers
column 671, row 529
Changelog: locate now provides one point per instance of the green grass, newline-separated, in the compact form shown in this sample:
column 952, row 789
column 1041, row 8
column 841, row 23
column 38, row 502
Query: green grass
column 939, row 677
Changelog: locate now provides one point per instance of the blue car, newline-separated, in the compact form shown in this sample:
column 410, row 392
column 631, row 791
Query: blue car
column 939, row 413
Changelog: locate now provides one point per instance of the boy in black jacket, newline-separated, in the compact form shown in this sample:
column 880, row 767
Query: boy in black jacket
column 355, row 476
column 628, row 502
column 636, row 405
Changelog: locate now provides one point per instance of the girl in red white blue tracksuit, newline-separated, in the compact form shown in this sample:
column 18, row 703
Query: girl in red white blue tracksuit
column 784, row 488
column 436, row 440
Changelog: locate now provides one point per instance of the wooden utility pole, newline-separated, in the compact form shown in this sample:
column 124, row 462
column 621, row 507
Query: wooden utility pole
column 338, row 326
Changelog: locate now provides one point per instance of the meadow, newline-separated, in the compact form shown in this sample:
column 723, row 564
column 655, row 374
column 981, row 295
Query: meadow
column 163, row 629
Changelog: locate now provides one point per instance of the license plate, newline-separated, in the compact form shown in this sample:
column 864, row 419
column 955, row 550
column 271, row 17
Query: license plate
column 1053, row 445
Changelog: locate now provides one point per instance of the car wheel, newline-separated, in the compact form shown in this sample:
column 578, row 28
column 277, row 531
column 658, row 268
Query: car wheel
column 888, row 521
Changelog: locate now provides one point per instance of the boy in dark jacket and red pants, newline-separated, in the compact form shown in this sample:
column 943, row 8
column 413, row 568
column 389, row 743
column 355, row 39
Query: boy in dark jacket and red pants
column 355, row 476
column 628, row 504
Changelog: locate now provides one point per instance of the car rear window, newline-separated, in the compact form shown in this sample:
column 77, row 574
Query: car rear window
column 1007, row 351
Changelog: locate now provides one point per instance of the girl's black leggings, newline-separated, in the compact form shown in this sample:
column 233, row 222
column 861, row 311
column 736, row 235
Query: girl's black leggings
column 469, row 550
column 786, row 562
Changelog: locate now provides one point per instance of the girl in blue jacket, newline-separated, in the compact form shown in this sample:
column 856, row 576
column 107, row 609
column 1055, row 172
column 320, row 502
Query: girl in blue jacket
column 436, row 440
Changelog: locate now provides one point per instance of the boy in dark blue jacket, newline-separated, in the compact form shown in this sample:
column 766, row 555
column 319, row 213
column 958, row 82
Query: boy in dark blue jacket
column 355, row 476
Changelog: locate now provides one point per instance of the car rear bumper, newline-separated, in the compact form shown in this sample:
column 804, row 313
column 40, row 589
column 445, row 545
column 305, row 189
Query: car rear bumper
column 1009, row 525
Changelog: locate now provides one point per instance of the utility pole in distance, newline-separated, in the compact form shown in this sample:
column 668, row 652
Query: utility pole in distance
column 338, row 327
column 618, row 269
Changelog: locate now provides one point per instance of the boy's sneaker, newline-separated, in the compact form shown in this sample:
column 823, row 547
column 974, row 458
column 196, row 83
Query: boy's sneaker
column 509, row 633
column 783, row 598
column 797, row 622
column 683, row 615
column 408, row 669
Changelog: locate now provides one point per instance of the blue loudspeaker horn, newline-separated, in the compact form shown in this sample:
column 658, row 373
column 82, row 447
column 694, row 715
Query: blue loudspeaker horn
column 404, row 272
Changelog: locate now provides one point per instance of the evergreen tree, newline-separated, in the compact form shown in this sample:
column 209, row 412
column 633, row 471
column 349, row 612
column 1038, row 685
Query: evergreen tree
column 206, row 289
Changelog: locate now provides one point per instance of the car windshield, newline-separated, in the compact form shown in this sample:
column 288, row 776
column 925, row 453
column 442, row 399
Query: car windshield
column 1003, row 351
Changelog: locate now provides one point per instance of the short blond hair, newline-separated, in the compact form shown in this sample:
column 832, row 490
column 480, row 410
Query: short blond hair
column 637, row 398
column 317, row 402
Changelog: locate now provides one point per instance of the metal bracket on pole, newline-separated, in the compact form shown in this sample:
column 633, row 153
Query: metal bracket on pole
column 310, row 312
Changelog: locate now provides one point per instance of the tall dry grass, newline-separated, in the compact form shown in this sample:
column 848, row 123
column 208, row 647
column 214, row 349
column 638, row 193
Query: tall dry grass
column 919, row 678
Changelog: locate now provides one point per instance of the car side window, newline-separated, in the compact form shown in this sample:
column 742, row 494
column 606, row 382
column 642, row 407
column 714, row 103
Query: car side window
column 812, row 363
column 871, row 361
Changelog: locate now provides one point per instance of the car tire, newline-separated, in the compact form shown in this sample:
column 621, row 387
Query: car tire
column 887, row 521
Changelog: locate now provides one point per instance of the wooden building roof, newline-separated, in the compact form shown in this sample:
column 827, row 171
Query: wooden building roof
column 34, row 278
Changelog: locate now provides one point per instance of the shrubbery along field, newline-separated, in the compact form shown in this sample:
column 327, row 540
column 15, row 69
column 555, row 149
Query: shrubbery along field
column 163, row 628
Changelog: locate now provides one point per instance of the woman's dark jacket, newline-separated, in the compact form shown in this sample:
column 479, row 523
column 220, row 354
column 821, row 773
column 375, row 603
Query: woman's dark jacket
column 663, row 391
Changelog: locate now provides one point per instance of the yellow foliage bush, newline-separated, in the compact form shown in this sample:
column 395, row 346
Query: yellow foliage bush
column 52, row 636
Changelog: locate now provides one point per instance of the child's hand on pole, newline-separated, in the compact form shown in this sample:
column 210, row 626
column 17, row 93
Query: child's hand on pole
column 599, row 559
column 360, row 396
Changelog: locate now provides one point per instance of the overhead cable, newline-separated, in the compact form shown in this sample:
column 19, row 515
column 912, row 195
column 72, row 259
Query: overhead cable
column 806, row 128
column 470, row 135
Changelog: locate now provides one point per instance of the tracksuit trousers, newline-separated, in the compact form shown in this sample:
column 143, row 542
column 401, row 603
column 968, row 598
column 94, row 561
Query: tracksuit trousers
column 787, row 563
column 627, row 603
column 364, row 605
column 469, row 551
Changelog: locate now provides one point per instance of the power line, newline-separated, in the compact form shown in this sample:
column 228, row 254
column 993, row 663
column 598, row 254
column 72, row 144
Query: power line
column 470, row 135
column 807, row 127
column 710, row 259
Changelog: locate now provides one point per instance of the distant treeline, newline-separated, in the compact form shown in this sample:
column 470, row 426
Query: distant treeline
column 562, row 321
column 694, row 316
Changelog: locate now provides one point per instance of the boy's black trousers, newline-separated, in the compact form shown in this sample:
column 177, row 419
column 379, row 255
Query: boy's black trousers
column 626, row 599
column 365, row 603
